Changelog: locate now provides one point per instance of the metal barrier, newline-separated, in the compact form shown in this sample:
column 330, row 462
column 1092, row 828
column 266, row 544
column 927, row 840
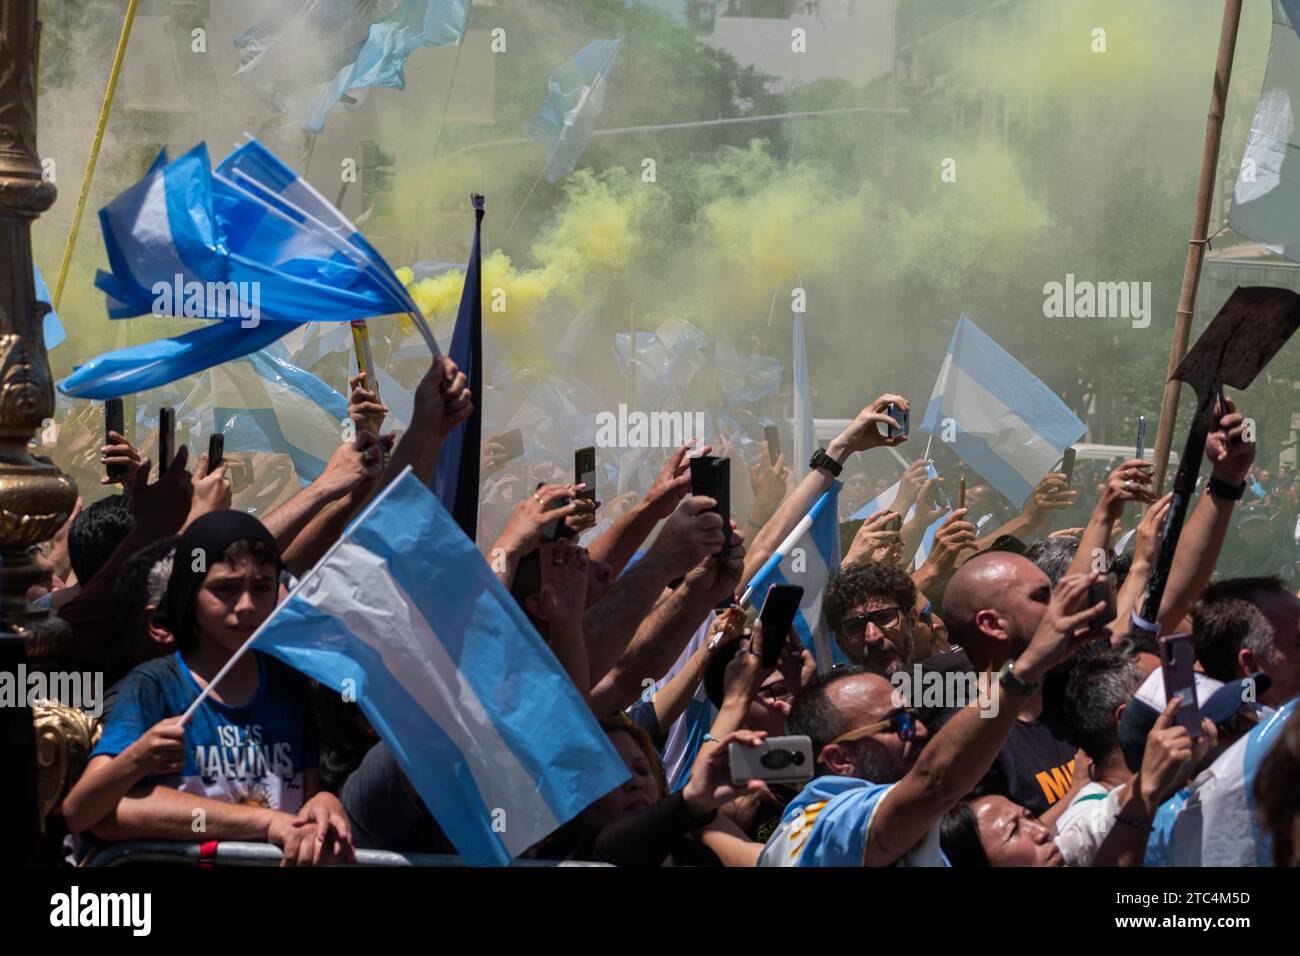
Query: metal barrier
column 169, row 853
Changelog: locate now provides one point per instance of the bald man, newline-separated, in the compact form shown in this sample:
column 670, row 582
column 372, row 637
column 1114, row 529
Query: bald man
column 993, row 605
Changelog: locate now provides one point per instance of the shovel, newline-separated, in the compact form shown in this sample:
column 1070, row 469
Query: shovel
column 1249, row 330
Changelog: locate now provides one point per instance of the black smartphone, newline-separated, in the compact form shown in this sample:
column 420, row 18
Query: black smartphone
column 773, row 438
column 1142, row 437
column 1176, row 658
column 1067, row 465
column 895, row 523
column 584, row 471
column 114, row 421
column 711, row 476
column 555, row 529
column 1102, row 590
column 900, row 415
column 216, row 451
column 779, row 608
column 513, row 443
column 166, row 439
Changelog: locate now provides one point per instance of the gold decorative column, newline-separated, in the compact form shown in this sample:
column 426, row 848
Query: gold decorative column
column 35, row 498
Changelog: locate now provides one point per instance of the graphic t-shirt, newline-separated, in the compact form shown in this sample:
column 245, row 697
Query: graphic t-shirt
column 253, row 755
column 1035, row 767
column 828, row 825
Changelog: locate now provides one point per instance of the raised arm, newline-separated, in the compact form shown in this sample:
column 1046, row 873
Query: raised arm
column 1131, row 481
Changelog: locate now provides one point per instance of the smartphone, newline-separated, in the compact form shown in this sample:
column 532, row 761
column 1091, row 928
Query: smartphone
column 114, row 421
column 895, row 523
column 712, row 477
column 773, row 438
column 216, row 451
column 776, row 760
column 513, row 443
column 1142, row 437
column 779, row 609
column 961, row 492
column 940, row 496
column 1176, row 658
column 584, row 471
column 166, row 439
column 1067, row 465
column 900, row 415
column 1102, row 590
column 555, row 529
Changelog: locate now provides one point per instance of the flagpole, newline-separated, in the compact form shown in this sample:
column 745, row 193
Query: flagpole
column 113, row 75
column 1197, row 242
column 234, row 658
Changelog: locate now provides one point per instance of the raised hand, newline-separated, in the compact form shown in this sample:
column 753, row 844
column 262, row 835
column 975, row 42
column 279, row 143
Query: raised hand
column 1231, row 456
column 672, row 483
column 364, row 407
column 875, row 542
column 1131, row 481
column 864, row 431
column 120, row 451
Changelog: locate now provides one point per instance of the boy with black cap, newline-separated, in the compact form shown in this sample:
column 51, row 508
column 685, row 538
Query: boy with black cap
column 244, row 767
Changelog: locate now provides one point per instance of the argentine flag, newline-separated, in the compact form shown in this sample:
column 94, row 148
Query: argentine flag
column 808, row 557
column 1212, row 821
column 445, row 665
column 264, row 402
column 574, row 96
column 1009, row 426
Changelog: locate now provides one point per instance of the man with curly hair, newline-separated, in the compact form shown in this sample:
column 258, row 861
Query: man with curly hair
column 871, row 609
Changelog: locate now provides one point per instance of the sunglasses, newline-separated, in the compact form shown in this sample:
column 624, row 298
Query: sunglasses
column 884, row 618
column 902, row 722
column 775, row 692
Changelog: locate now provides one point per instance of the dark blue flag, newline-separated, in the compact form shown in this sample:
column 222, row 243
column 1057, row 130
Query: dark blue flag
column 456, row 481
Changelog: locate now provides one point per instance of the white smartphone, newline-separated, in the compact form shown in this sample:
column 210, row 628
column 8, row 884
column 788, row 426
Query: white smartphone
column 776, row 760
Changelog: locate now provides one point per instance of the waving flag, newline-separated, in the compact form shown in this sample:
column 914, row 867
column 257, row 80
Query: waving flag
column 456, row 481
column 307, row 63
column 809, row 557
column 1266, row 200
column 250, row 244
column 574, row 96
column 263, row 402
column 1007, row 425
column 449, row 671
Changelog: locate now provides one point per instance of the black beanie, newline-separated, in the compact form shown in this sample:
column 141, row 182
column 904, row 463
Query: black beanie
column 212, row 534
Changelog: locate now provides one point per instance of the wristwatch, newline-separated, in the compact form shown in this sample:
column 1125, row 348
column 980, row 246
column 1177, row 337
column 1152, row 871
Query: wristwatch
column 1224, row 491
column 820, row 459
column 1007, row 678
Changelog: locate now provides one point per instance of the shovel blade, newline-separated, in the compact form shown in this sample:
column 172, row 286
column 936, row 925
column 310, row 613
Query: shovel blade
column 1249, row 330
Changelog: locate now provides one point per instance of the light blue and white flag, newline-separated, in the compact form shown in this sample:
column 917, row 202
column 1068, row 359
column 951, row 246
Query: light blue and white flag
column 1006, row 424
column 1266, row 200
column 250, row 244
column 1213, row 821
column 265, row 403
column 808, row 557
column 307, row 63
column 449, row 671
column 52, row 328
column 574, row 96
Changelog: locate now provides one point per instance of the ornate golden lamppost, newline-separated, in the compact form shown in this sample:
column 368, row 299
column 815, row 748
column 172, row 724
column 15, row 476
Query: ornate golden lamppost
column 35, row 498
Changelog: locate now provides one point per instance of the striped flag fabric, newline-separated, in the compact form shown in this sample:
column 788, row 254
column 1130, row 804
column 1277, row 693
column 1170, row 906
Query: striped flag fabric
column 449, row 671
column 1006, row 424
column 808, row 557
column 574, row 96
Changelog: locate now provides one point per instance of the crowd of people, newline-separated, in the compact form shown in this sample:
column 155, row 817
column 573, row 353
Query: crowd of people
column 1070, row 754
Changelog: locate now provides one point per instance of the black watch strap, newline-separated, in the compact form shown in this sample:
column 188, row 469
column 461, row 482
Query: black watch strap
column 1007, row 676
column 1225, row 491
column 820, row 459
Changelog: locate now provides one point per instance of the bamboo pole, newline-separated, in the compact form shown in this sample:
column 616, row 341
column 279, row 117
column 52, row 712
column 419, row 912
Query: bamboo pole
column 1196, row 245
